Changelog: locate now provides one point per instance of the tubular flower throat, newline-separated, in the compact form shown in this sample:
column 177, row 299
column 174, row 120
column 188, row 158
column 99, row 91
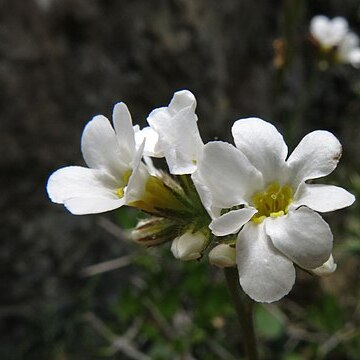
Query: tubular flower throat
column 159, row 196
column 273, row 202
column 125, row 180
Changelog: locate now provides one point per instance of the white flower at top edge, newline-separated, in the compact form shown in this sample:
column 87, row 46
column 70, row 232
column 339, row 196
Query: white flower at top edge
column 349, row 50
column 335, row 34
column 178, row 135
column 265, row 196
column 328, row 32
column 115, row 173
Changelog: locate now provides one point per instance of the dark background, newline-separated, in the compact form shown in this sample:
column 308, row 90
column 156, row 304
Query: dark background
column 62, row 62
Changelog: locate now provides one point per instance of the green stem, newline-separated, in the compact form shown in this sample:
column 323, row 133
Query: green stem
column 244, row 309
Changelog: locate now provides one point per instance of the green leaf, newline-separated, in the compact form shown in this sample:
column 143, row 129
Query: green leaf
column 127, row 217
column 268, row 325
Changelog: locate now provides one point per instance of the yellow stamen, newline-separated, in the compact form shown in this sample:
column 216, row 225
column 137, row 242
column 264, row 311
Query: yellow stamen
column 126, row 176
column 120, row 192
column 125, row 179
column 258, row 220
column 273, row 202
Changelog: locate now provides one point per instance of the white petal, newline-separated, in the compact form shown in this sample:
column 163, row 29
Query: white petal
column 151, row 167
column 265, row 274
column 94, row 205
column 322, row 198
column 317, row 155
column 262, row 144
column 205, row 195
column 101, row 149
column 203, row 191
column 83, row 190
column 75, row 181
column 179, row 136
column 228, row 174
column 319, row 26
column 152, row 146
column 231, row 222
column 223, row 255
column 354, row 57
column 139, row 176
column 189, row 246
column 124, row 130
column 348, row 44
column 340, row 27
column 181, row 100
column 303, row 236
column 326, row 269
column 328, row 32
column 348, row 50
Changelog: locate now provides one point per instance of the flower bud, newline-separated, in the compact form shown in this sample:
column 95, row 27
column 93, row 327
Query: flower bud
column 154, row 231
column 223, row 255
column 326, row 269
column 189, row 245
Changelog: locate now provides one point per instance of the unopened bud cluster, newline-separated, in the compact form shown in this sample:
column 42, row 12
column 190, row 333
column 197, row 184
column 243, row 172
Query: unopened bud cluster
column 176, row 215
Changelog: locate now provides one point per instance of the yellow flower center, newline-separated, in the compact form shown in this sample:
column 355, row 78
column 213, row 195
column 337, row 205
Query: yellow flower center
column 273, row 202
column 125, row 179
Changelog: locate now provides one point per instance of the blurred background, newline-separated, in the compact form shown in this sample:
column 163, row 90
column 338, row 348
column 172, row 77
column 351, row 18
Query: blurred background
column 75, row 287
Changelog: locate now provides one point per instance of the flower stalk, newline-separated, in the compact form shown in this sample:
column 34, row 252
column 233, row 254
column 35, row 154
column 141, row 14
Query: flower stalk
column 244, row 309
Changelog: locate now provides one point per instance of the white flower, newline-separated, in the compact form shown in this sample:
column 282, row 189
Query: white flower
column 152, row 146
column 349, row 50
column 223, row 255
column 115, row 175
column 189, row 246
column 269, row 201
column 326, row 269
column 328, row 33
column 335, row 34
column 179, row 138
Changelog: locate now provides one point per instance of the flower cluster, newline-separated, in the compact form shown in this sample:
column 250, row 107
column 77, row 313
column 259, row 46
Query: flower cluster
column 335, row 38
column 248, row 205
